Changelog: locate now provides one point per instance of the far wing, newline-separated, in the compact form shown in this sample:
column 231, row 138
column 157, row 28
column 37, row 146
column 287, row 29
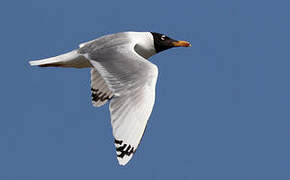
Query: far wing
column 99, row 90
column 132, row 79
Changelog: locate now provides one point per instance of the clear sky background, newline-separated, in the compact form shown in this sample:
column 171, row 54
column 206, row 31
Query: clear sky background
column 222, row 108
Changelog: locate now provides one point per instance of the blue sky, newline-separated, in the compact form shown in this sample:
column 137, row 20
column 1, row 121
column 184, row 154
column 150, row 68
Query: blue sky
column 222, row 106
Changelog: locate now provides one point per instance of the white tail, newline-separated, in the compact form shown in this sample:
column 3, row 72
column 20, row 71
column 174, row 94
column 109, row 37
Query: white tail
column 70, row 59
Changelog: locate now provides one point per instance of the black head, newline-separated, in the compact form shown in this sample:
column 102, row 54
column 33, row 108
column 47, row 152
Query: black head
column 163, row 42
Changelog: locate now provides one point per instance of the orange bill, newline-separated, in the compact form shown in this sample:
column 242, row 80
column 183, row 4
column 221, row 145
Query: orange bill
column 181, row 44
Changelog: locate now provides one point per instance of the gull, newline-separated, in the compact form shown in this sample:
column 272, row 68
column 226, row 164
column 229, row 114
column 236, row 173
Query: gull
column 122, row 75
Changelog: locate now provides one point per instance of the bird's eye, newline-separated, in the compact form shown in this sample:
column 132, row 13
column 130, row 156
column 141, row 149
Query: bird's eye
column 163, row 37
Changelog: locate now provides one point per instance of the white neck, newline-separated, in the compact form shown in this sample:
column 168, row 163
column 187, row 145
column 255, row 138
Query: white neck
column 144, row 43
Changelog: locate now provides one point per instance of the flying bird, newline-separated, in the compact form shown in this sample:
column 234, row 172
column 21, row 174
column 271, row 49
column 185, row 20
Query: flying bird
column 122, row 75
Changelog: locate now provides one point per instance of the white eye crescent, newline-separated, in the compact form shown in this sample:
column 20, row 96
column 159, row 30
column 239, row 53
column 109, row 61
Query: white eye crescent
column 163, row 37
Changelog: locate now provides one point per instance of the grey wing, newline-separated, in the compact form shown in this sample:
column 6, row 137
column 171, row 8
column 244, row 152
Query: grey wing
column 99, row 90
column 132, row 80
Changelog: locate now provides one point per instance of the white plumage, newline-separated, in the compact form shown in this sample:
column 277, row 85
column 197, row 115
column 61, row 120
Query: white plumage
column 121, row 73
